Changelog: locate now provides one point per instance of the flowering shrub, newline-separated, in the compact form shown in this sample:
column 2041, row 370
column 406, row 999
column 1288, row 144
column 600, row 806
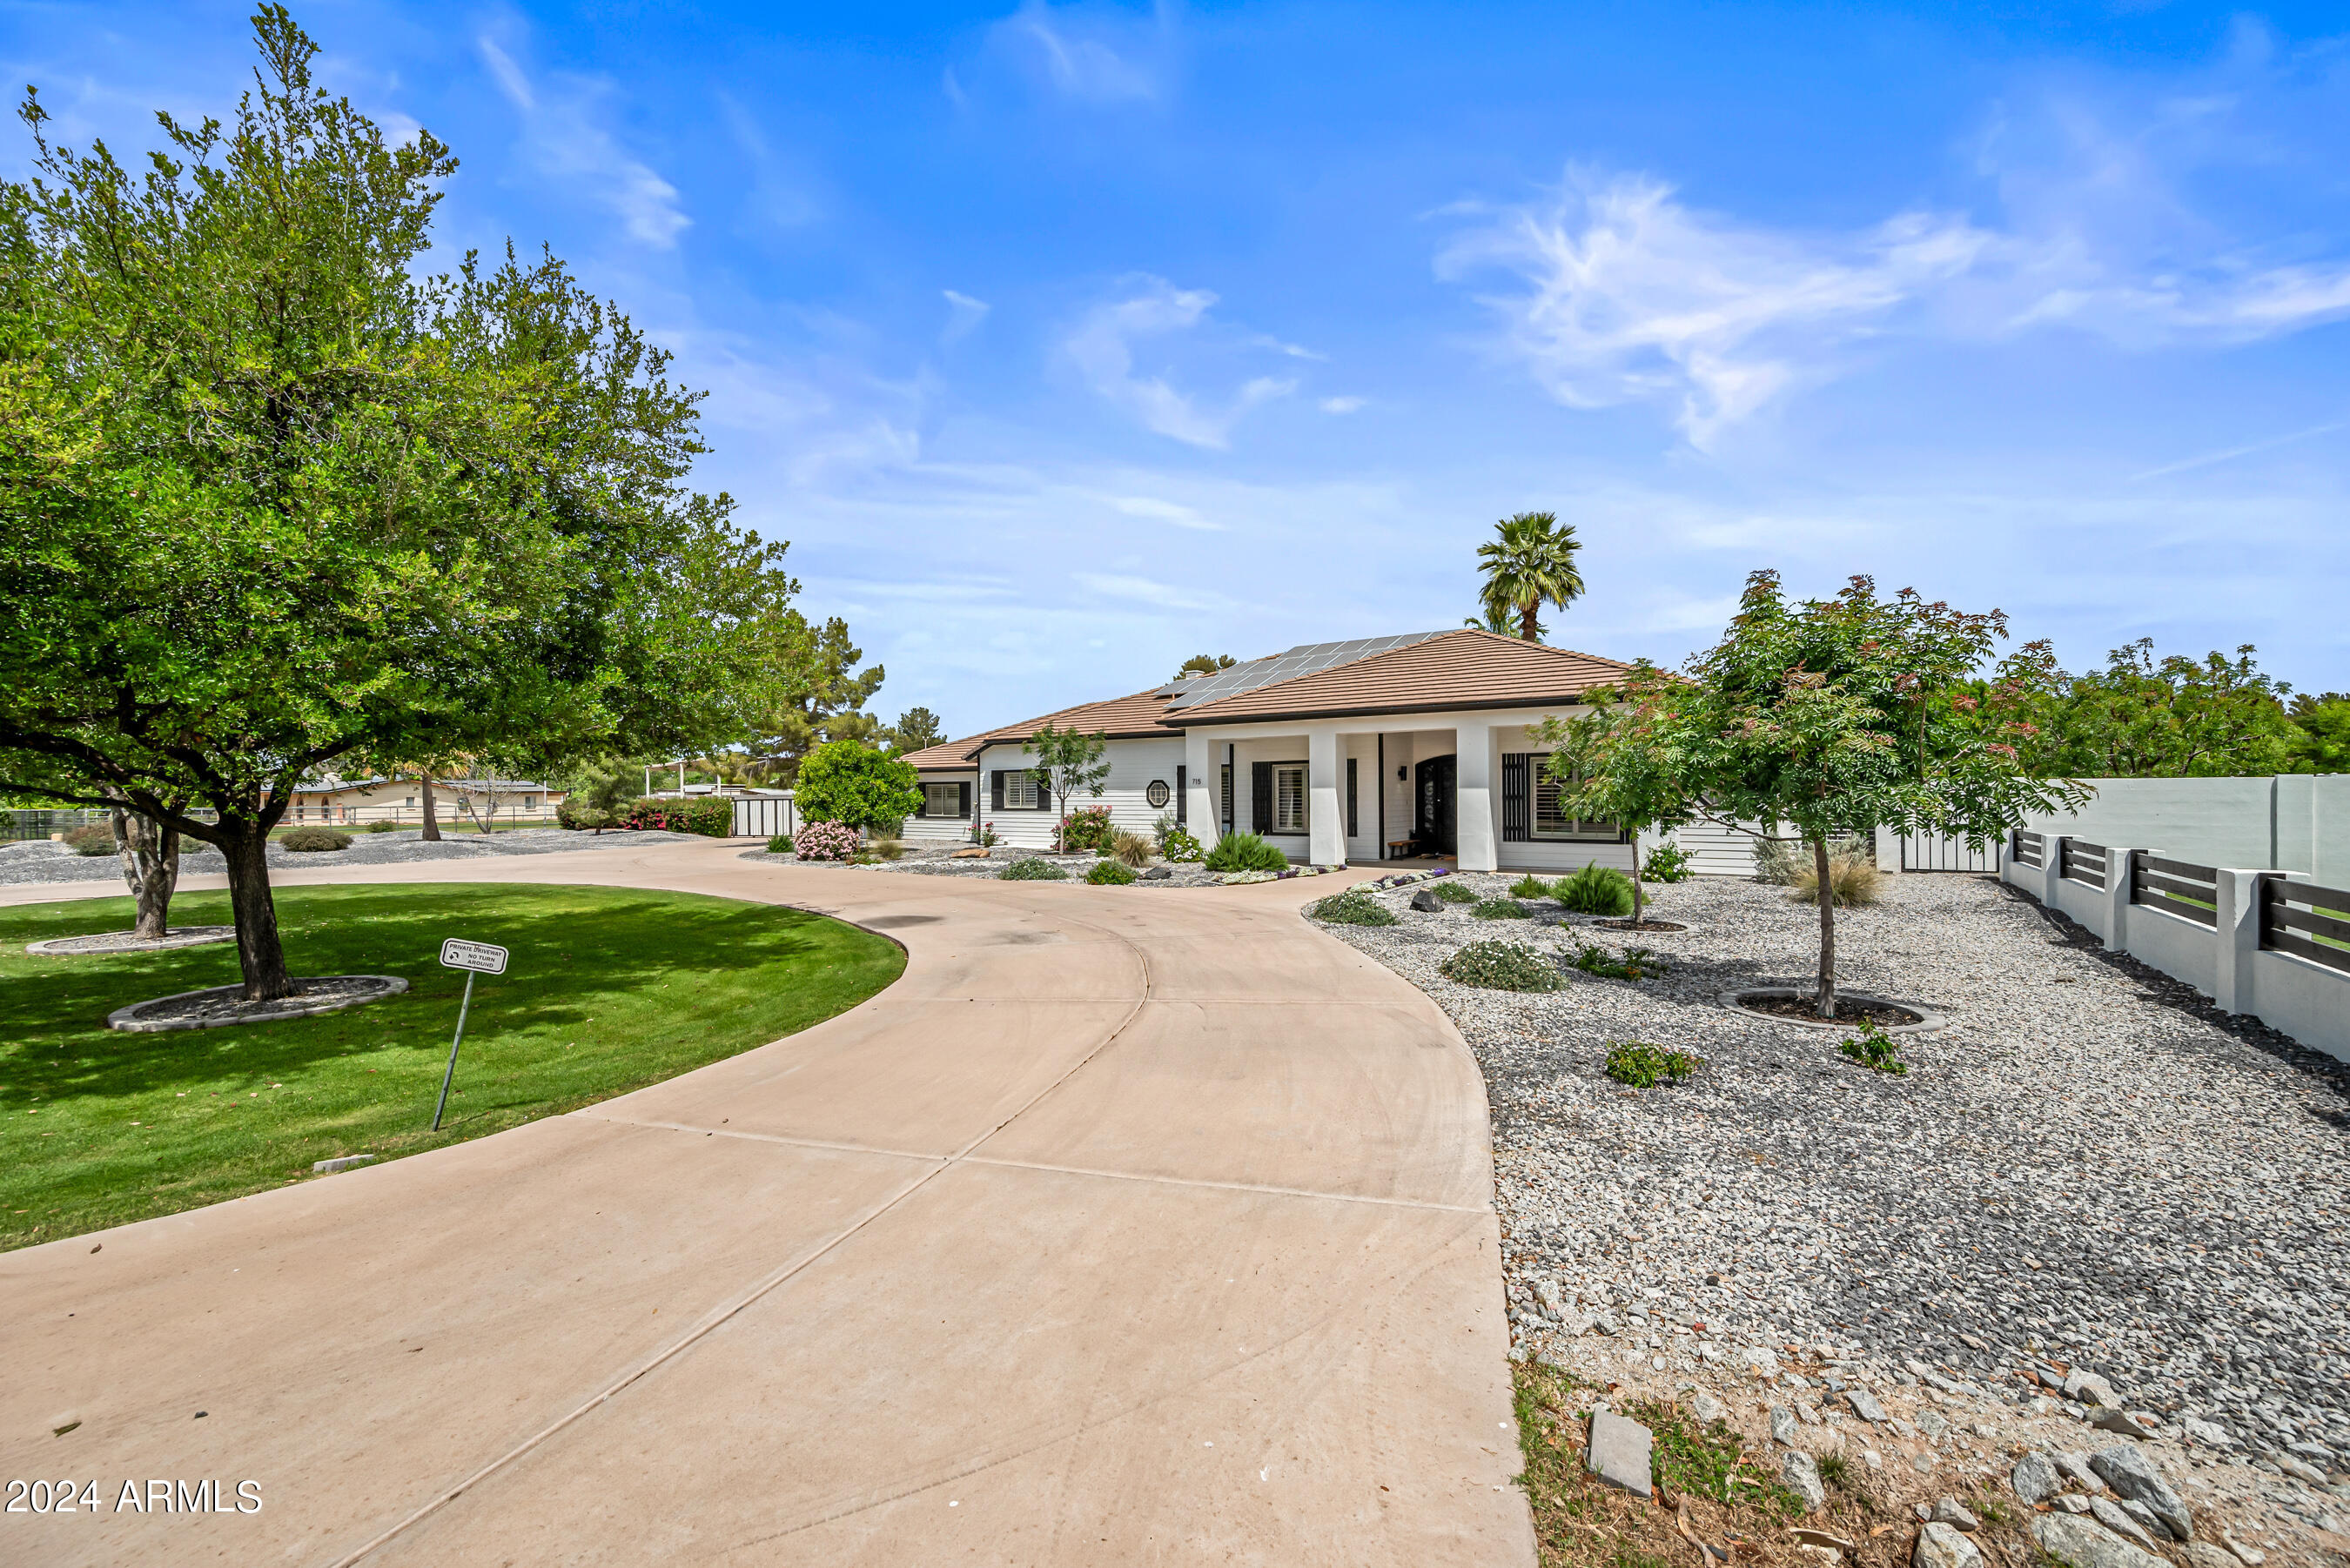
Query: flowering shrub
column 1175, row 843
column 1087, row 827
column 825, row 841
column 710, row 816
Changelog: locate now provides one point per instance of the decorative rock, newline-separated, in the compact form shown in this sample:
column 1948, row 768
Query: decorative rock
column 1808, row 1415
column 1427, row 902
column 2206, row 1433
column 1706, row 1407
column 1952, row 1511
column 1865, row 1406
column 2131, row 1474
column 2070, row 1502
column 2088, row 1388
column 2300, row 1469
column 1546, row 1293
column 1872, row 1458
column 2082, row 1544
column 328, row 1166
column 1799, row 1474
column 2035, row 1480
column 1619, row 1454
column 1923, row 1463
column 2112, row 1418
column 1933, row 1423
column 2144, row 1515
column 1759, row 1358
column 1159, row 874
column 1783, row 1425
column 1941, row 1546
column 2077, row 1467
column 2112, row 1515
column 2244, row 1555
column 974, row 853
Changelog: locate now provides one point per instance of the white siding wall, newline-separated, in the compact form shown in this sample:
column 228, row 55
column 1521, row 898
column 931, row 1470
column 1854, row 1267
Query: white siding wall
column 1133, row 766
column 931, row 828
column 1716, row 851
column 1278, row 749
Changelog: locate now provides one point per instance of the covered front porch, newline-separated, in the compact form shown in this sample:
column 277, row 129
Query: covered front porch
column 1465, row 788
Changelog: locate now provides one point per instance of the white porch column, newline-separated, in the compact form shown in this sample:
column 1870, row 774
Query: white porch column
column 1325, row 807
column 1476, row 823
column 1199, row 792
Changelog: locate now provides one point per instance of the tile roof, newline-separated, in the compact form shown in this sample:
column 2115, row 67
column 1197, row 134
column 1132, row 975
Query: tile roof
column 1457, row 669
column 1122, row 718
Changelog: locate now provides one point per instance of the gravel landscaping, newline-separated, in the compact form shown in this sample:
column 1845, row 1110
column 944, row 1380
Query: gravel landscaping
column 2086, row 1174
column 45, row 861
column 940, row 860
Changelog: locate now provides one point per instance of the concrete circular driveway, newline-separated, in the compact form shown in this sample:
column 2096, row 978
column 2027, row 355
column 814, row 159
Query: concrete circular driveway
column 1129, row 1226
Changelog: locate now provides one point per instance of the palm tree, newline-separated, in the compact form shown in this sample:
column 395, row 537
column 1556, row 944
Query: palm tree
column 1530, row 563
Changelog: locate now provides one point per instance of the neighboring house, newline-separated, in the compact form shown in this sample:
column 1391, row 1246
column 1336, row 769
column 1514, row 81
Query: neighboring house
column 1338, row 751
column 334, row 800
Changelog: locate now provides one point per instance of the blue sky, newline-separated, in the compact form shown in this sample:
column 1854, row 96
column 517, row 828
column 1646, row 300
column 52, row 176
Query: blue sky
column 1064, row 342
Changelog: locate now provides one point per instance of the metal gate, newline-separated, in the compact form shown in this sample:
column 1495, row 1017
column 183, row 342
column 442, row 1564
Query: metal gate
column 765, row 815
column 1922, row 852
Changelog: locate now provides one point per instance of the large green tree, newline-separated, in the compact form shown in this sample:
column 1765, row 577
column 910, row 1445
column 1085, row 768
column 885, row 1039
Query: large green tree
column 851, row 783
column 271, row 497
column 2323, row 720
column 1529, row 562
column 2143, row 716
column 1813, row 719
column 824, row 702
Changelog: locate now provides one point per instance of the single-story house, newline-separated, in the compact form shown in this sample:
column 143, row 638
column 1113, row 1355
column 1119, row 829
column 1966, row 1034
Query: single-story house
column 1339, row 752
column 337, row 800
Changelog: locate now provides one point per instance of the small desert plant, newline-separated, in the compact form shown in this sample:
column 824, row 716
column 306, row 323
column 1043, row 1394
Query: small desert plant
column 1245, row 852
column 825, row 841
column 1529, row 887
column 1666, row 863
column 1500, row 910
column 1353, row 908
column 1130, row 849
column 1644, row 1066
column 1452, row 892
column 1782, row 860
column 1638, row 963
column 1596, row 891
column 885, row 848
column 1835, row 1471
column 1178, row 845
column 781, row 844
column 1875, row 1049
column 1853, row 878
column 1030, row 870
column 1087, row 827
column 383, row 827
column 1497, row 965
column 97, row 838
column 313, row 840
column 1110, row 874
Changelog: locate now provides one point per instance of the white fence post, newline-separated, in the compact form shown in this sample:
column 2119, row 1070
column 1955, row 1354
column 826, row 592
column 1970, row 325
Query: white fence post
column 2117, row 899
column 2238, row 895
column 2052, row 869
column 1889, row 852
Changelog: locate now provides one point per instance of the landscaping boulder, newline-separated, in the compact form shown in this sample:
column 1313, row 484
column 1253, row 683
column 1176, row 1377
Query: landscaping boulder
column 2035, row 1479
column 1953, row 1512
column 1783, row 1425
column 2114, row 1517
column 1619, row 1454
column 1800, row 1474
column 1158, row 873
column 2132, row 1475
column 1865, row 1406
column 2114, row 1419
column 2088, row 1388
column 1427, row 902
column 1941, row 1546
column 2083, row 1544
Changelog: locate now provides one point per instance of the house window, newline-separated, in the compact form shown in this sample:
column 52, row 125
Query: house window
column 1020, row 790
column 409, row 801
column 530, row 803
column 1552, row 822
column 946, row 799
column 1289, row 797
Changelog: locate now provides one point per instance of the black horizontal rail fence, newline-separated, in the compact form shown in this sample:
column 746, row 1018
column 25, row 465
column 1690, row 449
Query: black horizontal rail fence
column 2030, row 849
column 2176, row 887
column 2306, row 920
column 2083, row 863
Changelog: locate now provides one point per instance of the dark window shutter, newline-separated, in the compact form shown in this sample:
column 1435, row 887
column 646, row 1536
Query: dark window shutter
column 1044, row 788
column 1517, row 808
column 996, row 790
column 1354, row 823
column 924, row 808
column 1182, row 796
column 1227, row 798
column 962, row 798
column 1260, row 796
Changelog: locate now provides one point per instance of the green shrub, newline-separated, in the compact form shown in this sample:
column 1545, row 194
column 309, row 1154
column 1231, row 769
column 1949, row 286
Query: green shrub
column 781, row 844
column 1110, row 874
column 1245, row 852
column 885, row 849
column 97, row 838
column 1644, row 1066
column 1596, row 891
column 1178, row 845
column 1500, row 910
column 1666, row 863
column 1875, row 1049
column 1353, row 908
column 1638, row 963
column 1032, row 869
column 710, row 816
column 1530, row 888
column 847, row 782
column 1130, row 848
column 1452, row 892
column 383, row 827
column 1498, row 965
column 313, row 840
column 1085, row 828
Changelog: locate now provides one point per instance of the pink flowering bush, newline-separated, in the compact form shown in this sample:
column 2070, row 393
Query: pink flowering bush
column 825, row 841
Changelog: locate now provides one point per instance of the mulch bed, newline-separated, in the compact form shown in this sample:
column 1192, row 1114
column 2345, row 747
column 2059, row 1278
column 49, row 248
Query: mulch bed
column 1639, row 924
column 98, row 943
column 1846, row 1010
column 221, row 1006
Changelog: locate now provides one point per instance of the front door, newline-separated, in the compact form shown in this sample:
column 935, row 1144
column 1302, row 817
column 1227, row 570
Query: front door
column 1431, row 806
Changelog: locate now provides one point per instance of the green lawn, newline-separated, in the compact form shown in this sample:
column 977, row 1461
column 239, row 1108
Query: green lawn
column 607, row 990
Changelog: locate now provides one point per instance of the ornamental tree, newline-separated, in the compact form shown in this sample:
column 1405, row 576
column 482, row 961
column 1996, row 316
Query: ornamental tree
column 1072, row 760
column 1606, row 767
column 1828, row 717
column 856, row 786
column 271, row 498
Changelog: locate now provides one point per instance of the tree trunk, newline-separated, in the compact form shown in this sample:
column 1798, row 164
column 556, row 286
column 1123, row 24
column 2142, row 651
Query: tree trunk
column 1529, row 621
column 1639, row 893
column 150, row 864
column 259, row 952
column 1828, row 991
column 432, row 834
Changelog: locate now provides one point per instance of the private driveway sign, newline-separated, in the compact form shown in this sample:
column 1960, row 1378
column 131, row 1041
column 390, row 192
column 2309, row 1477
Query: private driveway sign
column 1130, row 1226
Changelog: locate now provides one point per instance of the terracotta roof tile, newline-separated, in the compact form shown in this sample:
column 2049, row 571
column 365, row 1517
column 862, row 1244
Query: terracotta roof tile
column 1122, row 718
column 1460, row 669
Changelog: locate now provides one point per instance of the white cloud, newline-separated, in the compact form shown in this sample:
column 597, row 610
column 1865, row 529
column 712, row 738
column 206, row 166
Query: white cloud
column 1102, row 348
column 1165, row 512
column 1345, row 405
column 564, row 138
column 1630, row 296
column 963, row 315
column 1076, row 59
column 1145, row 591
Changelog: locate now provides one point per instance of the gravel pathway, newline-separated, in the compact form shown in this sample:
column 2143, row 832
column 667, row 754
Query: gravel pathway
column 2088, row 1168
column 939, row 860
column 43, row 861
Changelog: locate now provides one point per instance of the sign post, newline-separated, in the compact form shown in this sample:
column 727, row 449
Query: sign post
column 473, row 958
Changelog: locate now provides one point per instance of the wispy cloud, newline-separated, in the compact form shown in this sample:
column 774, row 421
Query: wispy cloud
column 1147, row 590
column 963, row 315
column 2229, row 455
column 1084, row 58
column 1165, row 512
column 565, row 137
column 1345, row 405
column 1103, row 345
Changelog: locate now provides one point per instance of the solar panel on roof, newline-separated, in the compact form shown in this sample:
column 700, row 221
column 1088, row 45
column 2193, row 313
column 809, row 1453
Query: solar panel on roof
column 1307, row 658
